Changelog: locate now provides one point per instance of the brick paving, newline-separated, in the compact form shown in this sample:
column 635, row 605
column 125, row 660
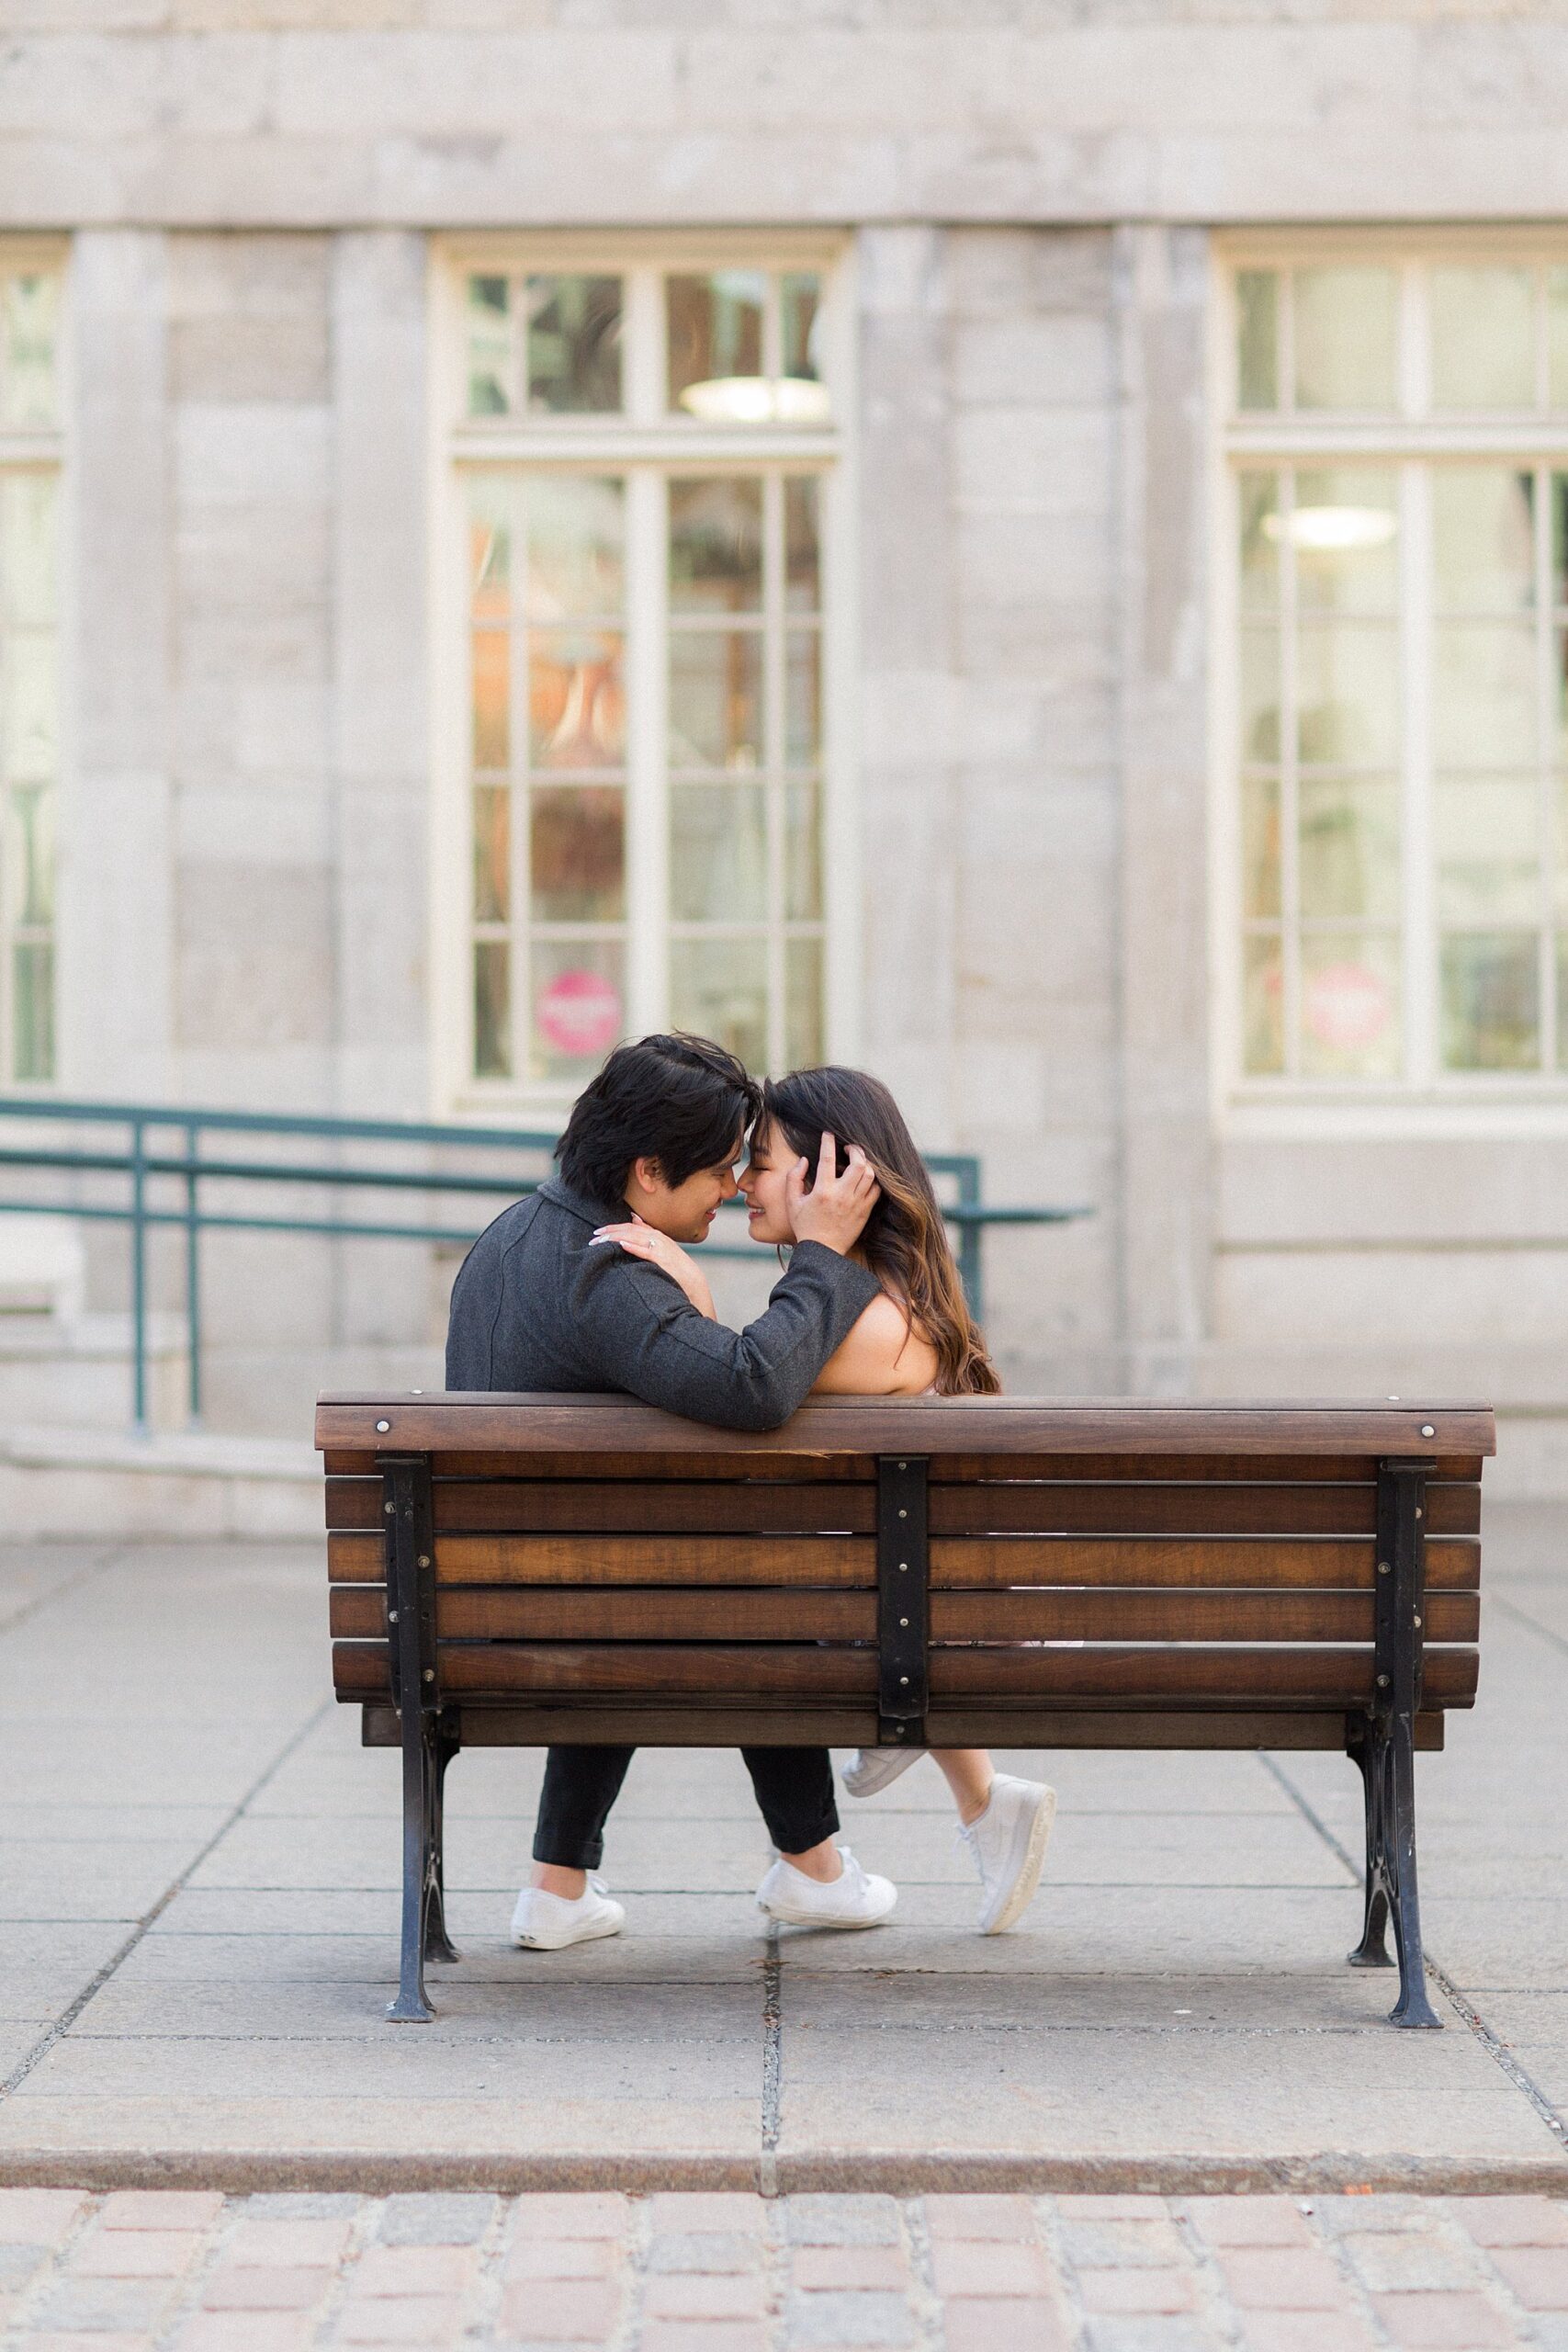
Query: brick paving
column 181, row 2271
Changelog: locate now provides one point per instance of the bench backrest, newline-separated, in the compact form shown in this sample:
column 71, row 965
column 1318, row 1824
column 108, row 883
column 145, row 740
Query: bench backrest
column 947, row 1569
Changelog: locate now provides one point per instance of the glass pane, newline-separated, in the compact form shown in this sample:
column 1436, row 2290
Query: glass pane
column 1483, row 693
column 714, row 329
column 1349, row 849
column 716, row 699
column 576, row 705
column 1487, row 841
column 1490, row 986
column 1259, row 713
column 803, row 1003
column 803, row 698
column 1557, row 687
column 1482, row 538
column 716, row 546
column 1558, row 497
column 718, row 987
column 1343, row 527
column 579, row 1000
column 1260, row 542
column 1257, row 338
column 1350, row 1005
column 718, row 852
column 1346, row 321
column 1263, row 1006
column 800, row 324
column 493, row 854
column 490, row 346
column 803, row 853
column 34, row 811
column 29, row 319
column 32, row 1018
column 1560, row 835
column 576, row 547
column 577, row 853
column 1483, row 338
column 803, row 589
column 29, row 588
column 489, row 547
column 493, row 1008
column 1563, row 1004
column 1261, row 847
column 493, row 699
column 30, row 721
column 1557, row 338
column 1348, row 686
column 574, row 345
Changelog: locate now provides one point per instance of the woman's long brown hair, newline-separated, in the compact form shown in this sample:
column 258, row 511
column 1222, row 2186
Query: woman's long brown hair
column 905, row 1242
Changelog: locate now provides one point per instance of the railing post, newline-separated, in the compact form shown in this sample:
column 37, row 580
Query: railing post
column 139, row 1276
column 969, row 1237
column 193, row 1277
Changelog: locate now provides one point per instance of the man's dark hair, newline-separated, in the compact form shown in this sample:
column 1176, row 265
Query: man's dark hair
column 682, row 1101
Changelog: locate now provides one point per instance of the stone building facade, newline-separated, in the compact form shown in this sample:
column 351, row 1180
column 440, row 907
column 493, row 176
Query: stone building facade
column 1086, row 280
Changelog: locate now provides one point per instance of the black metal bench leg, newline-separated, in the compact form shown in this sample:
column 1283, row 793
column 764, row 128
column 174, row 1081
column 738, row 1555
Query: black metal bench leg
column 412, row 2007
column 438, row 1944
column 1413, row 2008
column 1372, row 1951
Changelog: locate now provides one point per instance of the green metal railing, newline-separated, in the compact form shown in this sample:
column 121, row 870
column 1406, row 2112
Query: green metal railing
column 171, row 1173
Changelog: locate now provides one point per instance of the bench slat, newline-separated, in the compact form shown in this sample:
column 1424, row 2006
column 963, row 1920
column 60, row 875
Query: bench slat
column 990, row 1562
column 1190, row 1673
column 1326, row 1508
column 557, row 1614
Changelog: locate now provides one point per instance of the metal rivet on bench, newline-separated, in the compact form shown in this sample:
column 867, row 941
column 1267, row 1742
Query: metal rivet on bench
column 1417, row 1620
column 903, row 1567
column 1384, row 1568
column 425, row 1559
column 430, row 1674
column 904, row 1621
column 383, row 1425
column 904, row 1681
column 903, row 1466
column 1427, row 1430
column 903, row 1514
column 391, row 1616
column 388, row 1509
column 1382, row 1682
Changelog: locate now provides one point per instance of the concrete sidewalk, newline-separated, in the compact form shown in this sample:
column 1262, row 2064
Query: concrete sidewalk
column 199, row 1907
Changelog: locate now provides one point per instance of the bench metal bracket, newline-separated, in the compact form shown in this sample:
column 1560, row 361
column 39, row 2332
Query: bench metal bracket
column 1381, row 1739
column 903, row 1599
column 429, row 1734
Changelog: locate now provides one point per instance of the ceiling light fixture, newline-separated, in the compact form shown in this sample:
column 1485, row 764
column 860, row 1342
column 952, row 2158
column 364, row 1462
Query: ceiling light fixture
column 1332, row 530
column 757, row 399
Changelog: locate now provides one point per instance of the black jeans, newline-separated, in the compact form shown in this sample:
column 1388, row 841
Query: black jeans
column 793, row 1786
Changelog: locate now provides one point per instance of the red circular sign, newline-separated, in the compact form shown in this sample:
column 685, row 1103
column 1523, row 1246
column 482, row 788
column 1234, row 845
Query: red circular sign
column 1346, row 1005
column 579, row 1013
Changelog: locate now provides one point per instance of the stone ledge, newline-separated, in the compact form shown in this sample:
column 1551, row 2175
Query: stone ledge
column 182, row 1485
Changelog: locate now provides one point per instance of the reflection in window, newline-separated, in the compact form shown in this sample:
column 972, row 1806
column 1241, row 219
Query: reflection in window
column 30, row 672
column 744, row 347
column 544, row 345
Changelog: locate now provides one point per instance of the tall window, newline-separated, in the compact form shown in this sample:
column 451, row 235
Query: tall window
column 30, row 659
column 1398, row 745
column 643, row 458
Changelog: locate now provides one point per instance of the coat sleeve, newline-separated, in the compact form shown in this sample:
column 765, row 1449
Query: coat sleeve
column 643, row 1334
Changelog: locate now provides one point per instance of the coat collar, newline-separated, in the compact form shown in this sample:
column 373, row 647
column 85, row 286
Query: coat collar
column 590, row 1212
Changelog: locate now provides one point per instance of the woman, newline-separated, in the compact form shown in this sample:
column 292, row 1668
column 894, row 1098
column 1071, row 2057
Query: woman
column 917, row 1339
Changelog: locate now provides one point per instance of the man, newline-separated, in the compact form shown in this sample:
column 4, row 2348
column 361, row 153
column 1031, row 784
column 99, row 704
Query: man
column 537, row 1305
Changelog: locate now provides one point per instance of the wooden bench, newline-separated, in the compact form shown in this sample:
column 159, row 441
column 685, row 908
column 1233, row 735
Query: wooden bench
column 962, row 1572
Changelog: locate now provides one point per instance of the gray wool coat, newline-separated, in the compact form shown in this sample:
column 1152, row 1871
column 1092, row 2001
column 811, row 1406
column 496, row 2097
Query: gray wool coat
column 536, row 1306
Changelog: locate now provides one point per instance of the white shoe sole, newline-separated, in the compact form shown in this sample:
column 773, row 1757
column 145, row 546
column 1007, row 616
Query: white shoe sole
column 1021, row 1893
column 869, row 1778
column 584, row 1935
column 788, row 1918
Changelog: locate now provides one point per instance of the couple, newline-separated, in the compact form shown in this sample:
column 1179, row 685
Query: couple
column 588, row 1285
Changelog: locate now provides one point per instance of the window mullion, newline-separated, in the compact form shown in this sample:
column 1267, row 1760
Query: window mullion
column 773, row 689
column 647, row 806
column 1546, row 729
column 1289, row 795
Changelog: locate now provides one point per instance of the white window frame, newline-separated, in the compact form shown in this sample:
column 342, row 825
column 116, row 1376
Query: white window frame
column 44, row 449
column 638, row 442
column 1428, row 1099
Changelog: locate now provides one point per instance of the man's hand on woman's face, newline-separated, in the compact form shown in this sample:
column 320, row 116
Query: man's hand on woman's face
column 835, row 1210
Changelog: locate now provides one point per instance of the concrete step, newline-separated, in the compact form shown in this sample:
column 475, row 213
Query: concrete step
column 178, row 1486
column 74, row 1371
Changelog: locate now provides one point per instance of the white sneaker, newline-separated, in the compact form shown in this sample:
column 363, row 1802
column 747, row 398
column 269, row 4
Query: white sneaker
column 871, row 1769
column 1008, row 1841
column 854, row 1899
column 549, row 1922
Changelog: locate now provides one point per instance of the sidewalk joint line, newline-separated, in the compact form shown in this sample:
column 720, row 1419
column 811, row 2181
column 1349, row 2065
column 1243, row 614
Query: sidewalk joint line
column 98, row 1566
column 1464, row 2007
column 68, row 2016
column 773, row 2063
column 1522, row 1617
